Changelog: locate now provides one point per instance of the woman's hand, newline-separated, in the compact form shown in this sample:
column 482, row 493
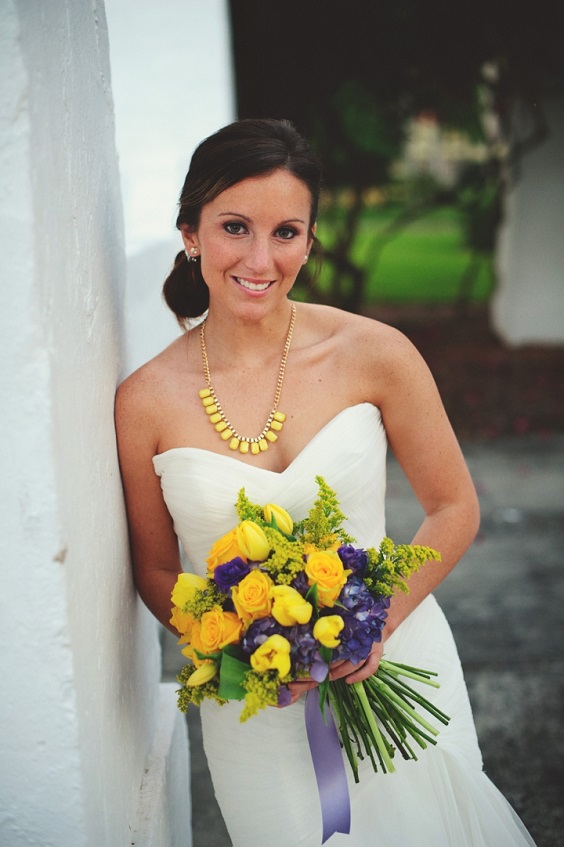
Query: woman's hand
column 351, row 673
column 301, row 686
column 356, row 673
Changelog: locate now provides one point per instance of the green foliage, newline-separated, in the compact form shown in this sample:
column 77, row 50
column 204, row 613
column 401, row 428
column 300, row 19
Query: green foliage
column 196, row 694
column 391, row 565
column 204, row 601
column 286, row 558
column 323, row 525
column 248, row 511
column 262, row 690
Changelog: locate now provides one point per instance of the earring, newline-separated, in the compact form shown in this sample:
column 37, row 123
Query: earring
column 306, row 257
column 192, row 255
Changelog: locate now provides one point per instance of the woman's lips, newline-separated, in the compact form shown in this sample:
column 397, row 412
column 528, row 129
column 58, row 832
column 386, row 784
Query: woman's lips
column 253, row 284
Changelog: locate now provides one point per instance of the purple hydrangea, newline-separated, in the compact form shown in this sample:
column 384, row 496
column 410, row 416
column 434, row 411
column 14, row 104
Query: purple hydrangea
column 300, row 583
column 304, row 646
column 231, row 573
column 364, row 620
column 258, row 632
column 353, row 558
column 304, row 651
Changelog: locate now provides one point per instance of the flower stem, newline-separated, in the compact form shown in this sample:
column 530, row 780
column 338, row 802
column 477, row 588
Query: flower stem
column 404, row 670
column 379, row 741
column 387, row 690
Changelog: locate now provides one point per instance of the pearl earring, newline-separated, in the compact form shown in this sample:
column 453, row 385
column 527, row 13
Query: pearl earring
column 192, row 255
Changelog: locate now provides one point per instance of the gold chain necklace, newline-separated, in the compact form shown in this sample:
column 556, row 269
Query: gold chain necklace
column 218, row 418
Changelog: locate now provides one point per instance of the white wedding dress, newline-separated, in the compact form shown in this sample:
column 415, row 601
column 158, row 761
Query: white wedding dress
column 262, row 770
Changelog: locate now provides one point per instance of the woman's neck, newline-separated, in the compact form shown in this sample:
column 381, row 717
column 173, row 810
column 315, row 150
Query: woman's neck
column 246, row 338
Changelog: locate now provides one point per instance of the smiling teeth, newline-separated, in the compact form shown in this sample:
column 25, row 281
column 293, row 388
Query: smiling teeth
column 252, row 286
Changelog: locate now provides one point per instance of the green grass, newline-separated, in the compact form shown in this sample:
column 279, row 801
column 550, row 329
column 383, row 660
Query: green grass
column 424, row 263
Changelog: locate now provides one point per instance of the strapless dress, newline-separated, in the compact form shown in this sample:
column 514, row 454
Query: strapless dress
column 262, row 770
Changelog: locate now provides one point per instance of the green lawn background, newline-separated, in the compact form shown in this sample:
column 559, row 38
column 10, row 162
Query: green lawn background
column 424, row 263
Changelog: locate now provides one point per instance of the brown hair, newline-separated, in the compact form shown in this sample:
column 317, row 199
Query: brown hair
column 243, row 149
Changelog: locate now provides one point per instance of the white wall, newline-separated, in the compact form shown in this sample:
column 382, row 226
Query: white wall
column 172, row 82
column 81, row 705
column 528, row 306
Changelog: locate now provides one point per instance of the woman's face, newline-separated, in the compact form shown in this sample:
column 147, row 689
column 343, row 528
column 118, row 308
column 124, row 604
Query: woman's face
column 253, row 239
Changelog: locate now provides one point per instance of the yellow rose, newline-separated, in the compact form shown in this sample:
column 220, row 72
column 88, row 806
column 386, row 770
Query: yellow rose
column 326, row 630
column 289, row 606
column 273, row 655
column 218, row 628
column 325, row 569
column 183, row 622
column 252, row 596
column 203, row 674
column 224, row 549
column 185, row 588
column 252, row 541
column 281, row 516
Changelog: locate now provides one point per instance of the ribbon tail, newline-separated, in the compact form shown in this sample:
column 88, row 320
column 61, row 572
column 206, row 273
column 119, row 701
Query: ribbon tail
column 329, row 767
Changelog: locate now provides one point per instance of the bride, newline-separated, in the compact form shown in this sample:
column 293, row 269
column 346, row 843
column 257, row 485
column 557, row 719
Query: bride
column 294, row 390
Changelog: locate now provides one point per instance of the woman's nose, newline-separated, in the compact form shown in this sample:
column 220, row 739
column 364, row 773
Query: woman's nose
column 259, row 256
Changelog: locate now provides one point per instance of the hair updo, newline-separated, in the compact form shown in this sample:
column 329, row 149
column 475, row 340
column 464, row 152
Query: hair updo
column 246, row 148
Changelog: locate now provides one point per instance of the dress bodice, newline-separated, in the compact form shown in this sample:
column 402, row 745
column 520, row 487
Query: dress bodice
column 200, row 487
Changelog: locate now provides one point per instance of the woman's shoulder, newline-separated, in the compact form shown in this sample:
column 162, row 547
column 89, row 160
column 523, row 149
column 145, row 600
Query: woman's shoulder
column 144, row 391
column 358, row 335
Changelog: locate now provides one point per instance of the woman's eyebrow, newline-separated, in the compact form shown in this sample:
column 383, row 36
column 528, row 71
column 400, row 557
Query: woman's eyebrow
column 233, row 214
column 245, row 218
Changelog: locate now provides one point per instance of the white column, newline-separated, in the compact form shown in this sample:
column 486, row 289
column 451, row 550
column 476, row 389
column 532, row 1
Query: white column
column 528, row 307
column 81, row 712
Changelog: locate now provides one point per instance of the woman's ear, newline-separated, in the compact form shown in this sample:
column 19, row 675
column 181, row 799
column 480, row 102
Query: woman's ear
column 310, row 241
column 190, row 239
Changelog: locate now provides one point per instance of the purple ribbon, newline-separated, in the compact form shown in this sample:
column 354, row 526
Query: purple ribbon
column 329, row 767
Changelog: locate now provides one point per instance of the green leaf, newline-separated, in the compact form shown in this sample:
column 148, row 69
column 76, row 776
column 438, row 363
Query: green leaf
column 216, row 657
column 231, row 675
column 312, row 597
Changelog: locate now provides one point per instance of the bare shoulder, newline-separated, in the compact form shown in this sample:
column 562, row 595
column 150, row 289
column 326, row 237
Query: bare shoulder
column 141, row 397
column 364, row 342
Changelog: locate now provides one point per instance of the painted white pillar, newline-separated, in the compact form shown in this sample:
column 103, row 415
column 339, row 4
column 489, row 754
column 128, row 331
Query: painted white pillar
column 528, row 306
column 93, row 750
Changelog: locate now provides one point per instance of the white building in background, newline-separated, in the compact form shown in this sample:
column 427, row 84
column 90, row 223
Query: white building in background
column 93, row 751
column 172, row 83
column 528, row 306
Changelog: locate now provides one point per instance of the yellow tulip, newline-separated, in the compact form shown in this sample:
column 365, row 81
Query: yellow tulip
column 274, row 654
column 283, row 520
column 183, row 622
column 289, row 606
column 203, row 674
column 252, row 541
column 194, row 644
column 326, row 630
column 185, row 588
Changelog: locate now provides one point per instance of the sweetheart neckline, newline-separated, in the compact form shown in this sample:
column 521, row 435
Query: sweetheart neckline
column 230, row 458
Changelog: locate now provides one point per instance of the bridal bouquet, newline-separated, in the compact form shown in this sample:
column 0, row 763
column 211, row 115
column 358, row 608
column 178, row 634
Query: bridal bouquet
column 283, row 601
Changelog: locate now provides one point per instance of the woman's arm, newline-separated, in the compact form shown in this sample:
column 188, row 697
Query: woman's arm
column 425, row 446
column 154, row 545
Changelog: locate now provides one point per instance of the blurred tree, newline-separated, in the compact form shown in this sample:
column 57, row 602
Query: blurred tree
column 351, row 75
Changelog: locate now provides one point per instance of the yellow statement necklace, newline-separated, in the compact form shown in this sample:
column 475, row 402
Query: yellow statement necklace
column 217, row 416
